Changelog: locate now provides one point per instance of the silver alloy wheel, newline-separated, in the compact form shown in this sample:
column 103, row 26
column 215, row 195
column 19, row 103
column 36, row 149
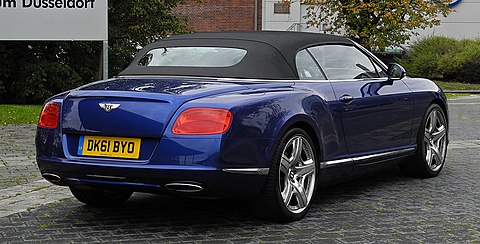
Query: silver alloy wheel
column 435, row 140
column 297, row 174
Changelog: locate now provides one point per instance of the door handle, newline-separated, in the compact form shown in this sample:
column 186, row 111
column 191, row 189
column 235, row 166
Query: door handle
column 347, row 99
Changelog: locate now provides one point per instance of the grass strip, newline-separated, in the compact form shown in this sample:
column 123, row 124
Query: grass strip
column 19, row 114
column 457, row 86
column 451, row 96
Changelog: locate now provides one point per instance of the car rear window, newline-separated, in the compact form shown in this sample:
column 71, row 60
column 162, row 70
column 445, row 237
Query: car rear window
column 193, row 57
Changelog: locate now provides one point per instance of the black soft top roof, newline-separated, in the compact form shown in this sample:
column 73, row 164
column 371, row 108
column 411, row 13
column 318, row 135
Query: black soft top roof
column 270, row 54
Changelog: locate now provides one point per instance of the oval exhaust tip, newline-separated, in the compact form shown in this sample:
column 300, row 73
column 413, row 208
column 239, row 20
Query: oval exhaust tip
column 52, row 177
column 184, row 187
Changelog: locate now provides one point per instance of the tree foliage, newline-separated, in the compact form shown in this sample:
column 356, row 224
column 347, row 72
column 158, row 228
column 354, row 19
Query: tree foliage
column 30, row 72
column 376, row 24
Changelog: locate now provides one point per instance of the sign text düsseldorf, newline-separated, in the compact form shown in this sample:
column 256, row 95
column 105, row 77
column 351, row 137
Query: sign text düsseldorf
column 51, row 20
column 59, row 4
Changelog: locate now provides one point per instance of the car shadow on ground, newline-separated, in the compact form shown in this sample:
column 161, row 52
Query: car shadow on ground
column 181, row 212
column 384, row 205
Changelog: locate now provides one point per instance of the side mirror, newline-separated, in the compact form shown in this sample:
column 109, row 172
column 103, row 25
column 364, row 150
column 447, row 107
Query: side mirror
column 396, row 72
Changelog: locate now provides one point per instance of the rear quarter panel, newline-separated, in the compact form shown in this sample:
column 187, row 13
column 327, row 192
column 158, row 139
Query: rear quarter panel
column 262, row 115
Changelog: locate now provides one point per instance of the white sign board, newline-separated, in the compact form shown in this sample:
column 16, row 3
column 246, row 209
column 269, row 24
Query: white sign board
column 53, row 20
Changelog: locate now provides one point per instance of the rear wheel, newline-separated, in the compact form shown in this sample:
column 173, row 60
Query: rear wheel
column 101, row 198
column 291, row 184
column 432, row 142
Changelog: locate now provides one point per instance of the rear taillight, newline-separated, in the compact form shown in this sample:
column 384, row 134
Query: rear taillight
column 202, row 121
column 49, row 116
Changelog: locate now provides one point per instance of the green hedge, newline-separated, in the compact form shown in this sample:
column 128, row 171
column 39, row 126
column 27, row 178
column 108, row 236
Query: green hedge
column 444, row 58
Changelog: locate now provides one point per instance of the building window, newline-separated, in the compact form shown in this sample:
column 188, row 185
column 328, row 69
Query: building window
column 281, row 8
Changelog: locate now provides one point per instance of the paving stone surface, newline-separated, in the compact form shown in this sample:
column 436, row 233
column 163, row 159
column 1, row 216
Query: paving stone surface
column 17, row 155
column 465, row 118
column 381, row 207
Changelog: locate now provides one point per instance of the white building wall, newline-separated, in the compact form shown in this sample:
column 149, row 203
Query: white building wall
column 463, row 23
column 281, row 22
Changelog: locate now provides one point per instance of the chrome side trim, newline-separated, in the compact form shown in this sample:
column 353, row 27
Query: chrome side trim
column 377, row 155
column 248, row 171
column 107, row 177
column 339, row 161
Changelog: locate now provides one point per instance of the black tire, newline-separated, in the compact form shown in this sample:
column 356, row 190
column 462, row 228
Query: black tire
column 101, row 198
column 430, row 155
column 302, row 174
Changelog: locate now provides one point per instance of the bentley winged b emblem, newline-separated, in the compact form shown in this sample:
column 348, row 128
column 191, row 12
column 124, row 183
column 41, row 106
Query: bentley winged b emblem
column 108, row 106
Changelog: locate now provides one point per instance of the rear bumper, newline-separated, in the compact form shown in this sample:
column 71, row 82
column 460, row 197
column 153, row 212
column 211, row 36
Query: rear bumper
column 215, row 182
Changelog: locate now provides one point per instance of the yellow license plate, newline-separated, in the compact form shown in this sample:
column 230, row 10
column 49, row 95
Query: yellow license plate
column 115, row 147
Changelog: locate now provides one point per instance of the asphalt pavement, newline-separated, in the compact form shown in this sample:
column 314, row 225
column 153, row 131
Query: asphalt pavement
column 381, row 207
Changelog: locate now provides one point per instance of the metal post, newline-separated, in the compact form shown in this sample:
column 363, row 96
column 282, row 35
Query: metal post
column 105, row 59
column 255, row 21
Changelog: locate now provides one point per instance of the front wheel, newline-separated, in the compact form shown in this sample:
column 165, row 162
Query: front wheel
column 101, row 198
column 432, row 142
column 291, row 184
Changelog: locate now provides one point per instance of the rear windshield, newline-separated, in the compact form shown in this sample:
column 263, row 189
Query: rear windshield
column 193, row 57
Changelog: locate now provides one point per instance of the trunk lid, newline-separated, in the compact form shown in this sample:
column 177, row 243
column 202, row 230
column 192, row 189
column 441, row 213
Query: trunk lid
column 133, row 107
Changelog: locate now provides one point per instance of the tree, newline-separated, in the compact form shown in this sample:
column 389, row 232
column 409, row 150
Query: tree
column 136, row 23
column 376, row 24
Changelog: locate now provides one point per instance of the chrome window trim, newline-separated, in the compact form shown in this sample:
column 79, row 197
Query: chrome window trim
column 371, row 55
column 355, row 80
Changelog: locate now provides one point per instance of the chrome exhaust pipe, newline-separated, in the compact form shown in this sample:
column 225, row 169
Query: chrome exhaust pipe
column 184, row 187
column 52, row 177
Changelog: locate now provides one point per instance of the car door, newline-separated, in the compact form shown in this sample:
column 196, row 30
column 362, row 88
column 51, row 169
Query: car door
column 376, row 112
column 325, row 109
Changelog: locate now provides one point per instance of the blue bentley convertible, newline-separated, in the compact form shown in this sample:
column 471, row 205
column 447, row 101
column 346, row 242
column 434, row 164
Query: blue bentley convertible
column 263, row 116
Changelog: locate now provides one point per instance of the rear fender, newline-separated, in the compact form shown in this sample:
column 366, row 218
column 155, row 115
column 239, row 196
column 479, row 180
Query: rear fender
column 298, row 121
column 258, row 127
